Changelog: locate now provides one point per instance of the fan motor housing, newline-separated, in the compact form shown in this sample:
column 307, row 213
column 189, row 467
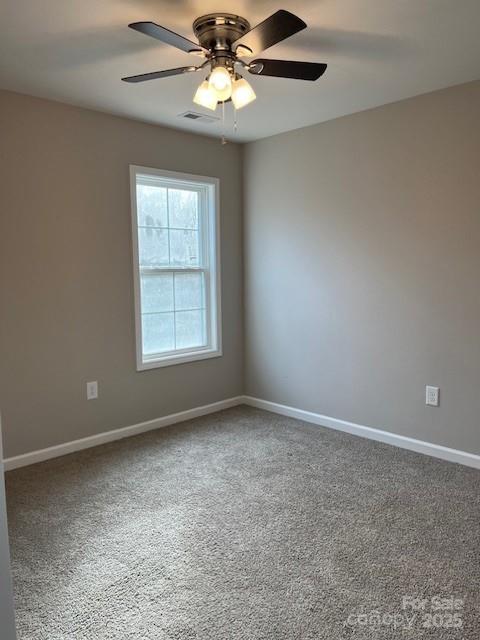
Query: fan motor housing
column 218, row 31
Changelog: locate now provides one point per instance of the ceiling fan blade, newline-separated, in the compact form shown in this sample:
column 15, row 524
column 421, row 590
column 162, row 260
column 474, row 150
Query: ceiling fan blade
column 154, row 75
column 287, row 69
column 280, row 25
column 165, row 35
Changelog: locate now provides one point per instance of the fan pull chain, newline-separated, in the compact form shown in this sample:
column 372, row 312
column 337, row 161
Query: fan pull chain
column 235, row 119
column 223, row 123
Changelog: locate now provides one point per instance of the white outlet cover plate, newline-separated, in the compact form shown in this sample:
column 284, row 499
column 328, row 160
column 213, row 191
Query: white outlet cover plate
column 432, row 396
column 92, row 390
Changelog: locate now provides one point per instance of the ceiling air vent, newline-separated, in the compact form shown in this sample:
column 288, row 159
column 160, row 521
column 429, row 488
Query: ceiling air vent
column 199, row 117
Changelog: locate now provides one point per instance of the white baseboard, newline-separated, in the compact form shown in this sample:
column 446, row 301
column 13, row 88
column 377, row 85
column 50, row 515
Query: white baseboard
column 117, row 434
column 404, row 442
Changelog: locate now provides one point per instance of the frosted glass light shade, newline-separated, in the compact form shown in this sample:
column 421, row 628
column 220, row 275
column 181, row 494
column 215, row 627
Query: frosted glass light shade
column 206, row 96
column 242, row 93
column 221, row 82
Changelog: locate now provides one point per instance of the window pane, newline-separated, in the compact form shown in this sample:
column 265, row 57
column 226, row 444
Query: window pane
column 184, row 249
column 153, row 247
column 190, row 329
column 183, row 208
column 157, row 292
column 189, row 291
column 158, row 332
column 151, row 206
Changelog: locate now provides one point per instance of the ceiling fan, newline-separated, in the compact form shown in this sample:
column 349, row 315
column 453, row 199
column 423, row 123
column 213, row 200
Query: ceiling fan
column 224, row 40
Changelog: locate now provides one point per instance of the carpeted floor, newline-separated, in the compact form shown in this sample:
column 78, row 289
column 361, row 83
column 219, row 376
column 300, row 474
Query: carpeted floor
column 245, row 525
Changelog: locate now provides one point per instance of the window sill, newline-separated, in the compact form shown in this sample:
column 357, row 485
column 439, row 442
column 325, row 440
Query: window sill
column 168, row 361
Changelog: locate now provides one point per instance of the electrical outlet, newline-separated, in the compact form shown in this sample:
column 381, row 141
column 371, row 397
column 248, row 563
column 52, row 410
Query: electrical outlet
column 432, row 395
column 92, row 390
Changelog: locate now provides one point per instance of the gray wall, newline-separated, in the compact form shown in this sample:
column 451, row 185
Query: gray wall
column 362, row 254
column 66, row 313
column 361, row 261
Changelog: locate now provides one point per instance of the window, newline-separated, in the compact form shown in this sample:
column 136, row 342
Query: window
column 176, row 267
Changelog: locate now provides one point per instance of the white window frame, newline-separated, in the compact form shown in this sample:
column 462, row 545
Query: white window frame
column 211, row 209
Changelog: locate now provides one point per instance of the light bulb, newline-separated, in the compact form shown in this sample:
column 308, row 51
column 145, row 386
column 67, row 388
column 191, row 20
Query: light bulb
column 242, row 93
column 221, row 81
column 205, row 96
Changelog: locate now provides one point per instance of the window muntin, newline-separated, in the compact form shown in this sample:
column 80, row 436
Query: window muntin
column 176, row 267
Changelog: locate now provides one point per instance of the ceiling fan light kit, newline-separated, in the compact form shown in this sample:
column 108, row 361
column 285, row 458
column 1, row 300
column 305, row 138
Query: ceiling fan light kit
column 242, row 93
column 220, row 81
column 224, row 40
column 206, row 96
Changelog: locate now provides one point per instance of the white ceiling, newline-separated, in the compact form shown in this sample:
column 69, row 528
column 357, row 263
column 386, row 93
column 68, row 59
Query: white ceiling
column 378, row 51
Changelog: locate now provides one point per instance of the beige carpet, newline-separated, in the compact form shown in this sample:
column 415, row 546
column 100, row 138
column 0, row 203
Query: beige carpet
column 249, row 526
